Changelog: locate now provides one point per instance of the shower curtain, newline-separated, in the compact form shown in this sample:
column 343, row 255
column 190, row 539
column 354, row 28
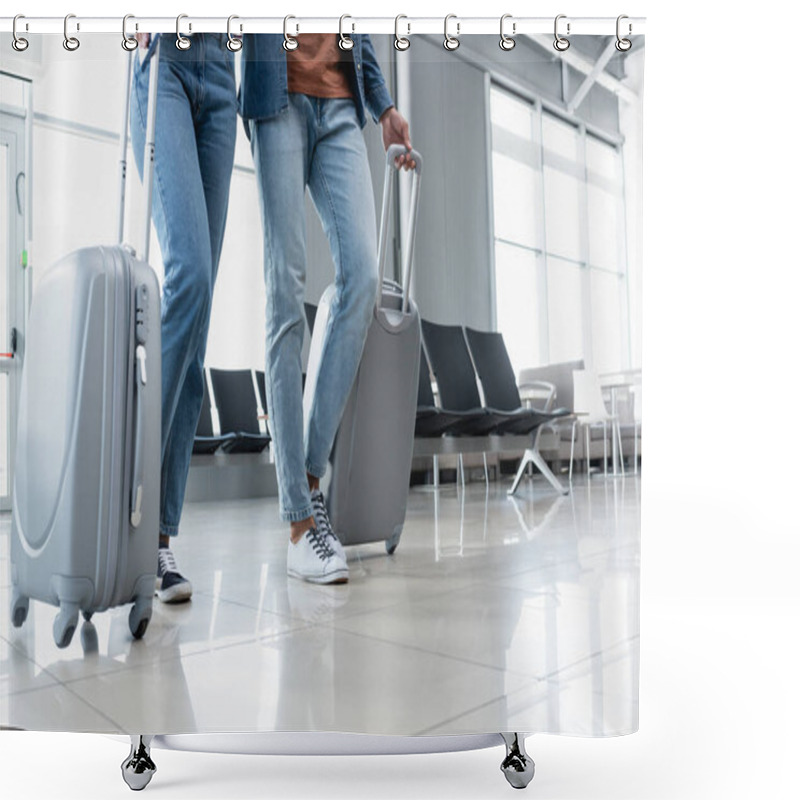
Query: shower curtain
column 497, row 611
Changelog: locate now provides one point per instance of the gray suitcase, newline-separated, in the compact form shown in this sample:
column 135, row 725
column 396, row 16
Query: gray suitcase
column 86, row 490
column 371, row 458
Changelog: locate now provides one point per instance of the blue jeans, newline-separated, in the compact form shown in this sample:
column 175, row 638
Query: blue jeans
column 195, row 139
column 316, row 143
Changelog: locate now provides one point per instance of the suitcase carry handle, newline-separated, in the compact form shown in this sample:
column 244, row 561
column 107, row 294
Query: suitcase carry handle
column 137, row 483
column 392, row 153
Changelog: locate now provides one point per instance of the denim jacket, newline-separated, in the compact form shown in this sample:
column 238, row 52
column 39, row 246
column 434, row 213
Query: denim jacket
column 264, row 92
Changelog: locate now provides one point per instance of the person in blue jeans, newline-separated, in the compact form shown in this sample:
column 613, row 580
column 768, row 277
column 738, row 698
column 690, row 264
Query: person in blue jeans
column 303, row 111
column 194, row 146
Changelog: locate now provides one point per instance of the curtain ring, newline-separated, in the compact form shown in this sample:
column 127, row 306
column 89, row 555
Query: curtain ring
column 561, row 43
column 19, row 43
column 129, row 43
column 451, row 42
column 401, row 43
column 70, row 42
column 623, row 45
column 345, row 42
column 289, row 42
column 181, row 42
column 234, row 45
column 507, row 42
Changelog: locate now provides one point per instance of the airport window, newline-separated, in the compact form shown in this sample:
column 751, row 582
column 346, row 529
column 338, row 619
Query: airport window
column 560, row 271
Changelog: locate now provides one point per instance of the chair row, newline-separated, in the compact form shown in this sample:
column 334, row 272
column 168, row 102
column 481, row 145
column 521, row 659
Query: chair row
column 459, row 357
column 237, row 408
column 238, row 412
column 463, row 361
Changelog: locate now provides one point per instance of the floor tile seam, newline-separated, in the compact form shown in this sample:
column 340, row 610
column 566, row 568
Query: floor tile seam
column 560, row 563
column 475, row 709
column 82, row 701
column 119, row 668
column 349, row 615
column 127, row 669
column 584, row 660
column 426, row 652
column 303, row 624
column 243, row 605
column 35, row 663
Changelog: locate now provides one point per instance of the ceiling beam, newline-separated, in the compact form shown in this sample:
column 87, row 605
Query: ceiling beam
column 591, row 78
column 584, row 65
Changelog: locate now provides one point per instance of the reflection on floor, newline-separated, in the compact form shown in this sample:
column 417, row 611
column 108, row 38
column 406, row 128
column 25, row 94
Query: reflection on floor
column 494, row 614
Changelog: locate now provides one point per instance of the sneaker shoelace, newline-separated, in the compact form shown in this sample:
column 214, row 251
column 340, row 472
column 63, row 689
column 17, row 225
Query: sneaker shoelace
column 321, row 515
column 166, row 560
column 319, row 541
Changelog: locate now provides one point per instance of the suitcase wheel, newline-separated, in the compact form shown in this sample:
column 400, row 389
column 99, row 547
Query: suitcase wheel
column 19, row 609
column 139, row 619
column 393, row 541
column 65, row 623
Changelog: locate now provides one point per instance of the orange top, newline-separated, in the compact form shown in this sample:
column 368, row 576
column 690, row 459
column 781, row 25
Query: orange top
column 315, row 67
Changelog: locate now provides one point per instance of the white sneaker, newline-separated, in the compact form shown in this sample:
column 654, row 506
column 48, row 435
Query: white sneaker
column 324, row 524
column 313, row 560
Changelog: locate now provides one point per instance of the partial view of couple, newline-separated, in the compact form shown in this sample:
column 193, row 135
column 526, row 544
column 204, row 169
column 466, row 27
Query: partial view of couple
column 303, row 112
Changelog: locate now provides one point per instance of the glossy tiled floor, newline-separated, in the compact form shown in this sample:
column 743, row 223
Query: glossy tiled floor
column 494, row 614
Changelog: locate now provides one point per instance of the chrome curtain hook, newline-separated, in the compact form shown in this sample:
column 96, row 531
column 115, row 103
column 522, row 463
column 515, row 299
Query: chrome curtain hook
column 507, row 42
column 401, row 43
column 70, row 42
column 289, row 42
column 129, row 43
column 451, row 42
column 345, row 42
column 234, row 45
column 561, row 43
column 623, row 45
column 19, row 43
column 181, row 42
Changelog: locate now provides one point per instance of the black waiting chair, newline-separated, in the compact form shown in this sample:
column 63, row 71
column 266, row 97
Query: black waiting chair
column 238, row 411
column 450, row 360
column 205, row 442
column 490, row 357
column 261, row 382
column 433, row 421
column 311, row 315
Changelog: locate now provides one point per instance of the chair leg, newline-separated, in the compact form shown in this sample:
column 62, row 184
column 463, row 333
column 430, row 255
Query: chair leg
column 572, row 449
column 536, row 459
column 436, row 472
column 485, row 470
column 605, row 449
column 588, row 454
column 523, row 465
column 621, row 454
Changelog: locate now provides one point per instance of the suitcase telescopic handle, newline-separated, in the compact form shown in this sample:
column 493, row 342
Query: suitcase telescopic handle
column 392, row 153
column 149, row 147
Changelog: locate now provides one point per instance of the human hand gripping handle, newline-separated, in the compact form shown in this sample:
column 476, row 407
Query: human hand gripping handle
column 395, row 131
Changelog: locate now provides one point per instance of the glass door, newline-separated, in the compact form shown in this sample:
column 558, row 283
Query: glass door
column 12, row 305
